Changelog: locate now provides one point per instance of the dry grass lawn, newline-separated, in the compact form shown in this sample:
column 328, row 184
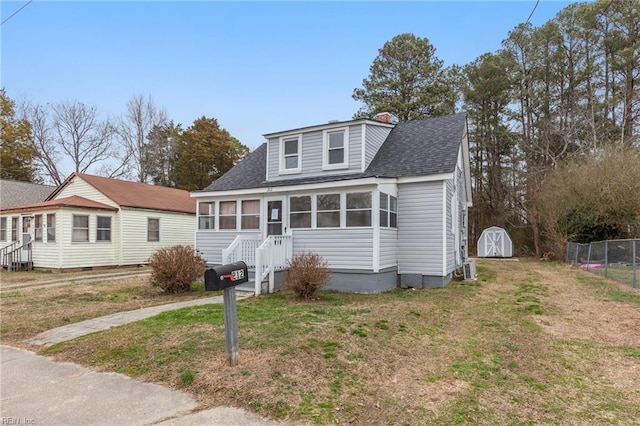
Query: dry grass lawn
column 31, row 310
column 529, row 343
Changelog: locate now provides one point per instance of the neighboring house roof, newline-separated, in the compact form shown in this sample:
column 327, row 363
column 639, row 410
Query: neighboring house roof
column 136, row 194
column 414, row 148
column 15, row 193
column 74, row 201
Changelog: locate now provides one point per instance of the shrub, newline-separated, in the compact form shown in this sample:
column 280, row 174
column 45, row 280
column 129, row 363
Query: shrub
column 307, row 273
column 175, row 268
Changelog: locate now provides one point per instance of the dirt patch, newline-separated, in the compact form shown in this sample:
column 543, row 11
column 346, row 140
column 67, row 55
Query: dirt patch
column 582, row 314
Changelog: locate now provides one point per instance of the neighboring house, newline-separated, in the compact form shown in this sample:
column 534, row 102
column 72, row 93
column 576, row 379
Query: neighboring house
column 15, row 193
column 385, row 205
column 90, row 221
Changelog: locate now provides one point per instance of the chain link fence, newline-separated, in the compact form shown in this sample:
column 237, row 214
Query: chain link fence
column 615, row 259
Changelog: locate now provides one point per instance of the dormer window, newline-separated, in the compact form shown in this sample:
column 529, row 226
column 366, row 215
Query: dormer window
column 335, row 149
column 290, row 160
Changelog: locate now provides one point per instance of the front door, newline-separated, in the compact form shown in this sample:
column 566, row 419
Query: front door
column 276, row 216
column 26, row 238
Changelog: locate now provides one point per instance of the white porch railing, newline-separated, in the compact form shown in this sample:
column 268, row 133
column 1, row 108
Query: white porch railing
column 272, row 255
column 242, row 248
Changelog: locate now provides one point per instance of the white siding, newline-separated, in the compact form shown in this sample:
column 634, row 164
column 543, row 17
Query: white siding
column 349, row 248
column 175, row 229
column 79, row 187
column 47, row 254
column 312, row 146
column 451, row 249
column 83, row 254
column 211, row 244
column 375, row 136
column 420, row 218
column 388, row 248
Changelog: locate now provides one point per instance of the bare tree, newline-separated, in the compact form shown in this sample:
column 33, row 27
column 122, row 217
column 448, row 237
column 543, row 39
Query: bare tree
column 133, row 128
column 73, row 134
column 81, row 135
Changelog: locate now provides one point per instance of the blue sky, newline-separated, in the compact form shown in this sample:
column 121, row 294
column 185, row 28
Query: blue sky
column 258, row 67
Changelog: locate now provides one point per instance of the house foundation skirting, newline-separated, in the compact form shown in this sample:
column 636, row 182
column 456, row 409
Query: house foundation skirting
column 424, row 281
column 358, row 281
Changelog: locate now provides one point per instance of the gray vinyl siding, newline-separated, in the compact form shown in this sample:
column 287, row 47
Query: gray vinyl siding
column 420, row 218
column 211, row 244
column 273, row 158
column 451, row 248
column 375, row 136
column 312, row 146
column 342, row 248
column 388, row 248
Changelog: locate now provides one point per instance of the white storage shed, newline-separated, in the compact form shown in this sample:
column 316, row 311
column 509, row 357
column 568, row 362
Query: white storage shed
column 495, row 242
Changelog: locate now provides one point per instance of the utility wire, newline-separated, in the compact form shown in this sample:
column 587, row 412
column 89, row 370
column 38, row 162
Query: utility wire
column 16, row 12
column 534, row 9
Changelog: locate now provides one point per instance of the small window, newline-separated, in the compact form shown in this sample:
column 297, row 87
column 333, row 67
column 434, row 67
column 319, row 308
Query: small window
column 26, row 224
column 103, row 230
column 290, row 149
column 51, row 228
column 384, row 210
column 300, row 215
column 359, row 209
column 3, row 229
column 335, row 148
column 153, row 229
column 14, row 228
column 388, row 211
column 37, row 227
column 80, row 231
column 393, row 212
column 328, row 214
column 206, row 215
column 227, row 215
column 250, row 214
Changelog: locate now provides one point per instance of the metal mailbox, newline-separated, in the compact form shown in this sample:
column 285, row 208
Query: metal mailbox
column 225, row 276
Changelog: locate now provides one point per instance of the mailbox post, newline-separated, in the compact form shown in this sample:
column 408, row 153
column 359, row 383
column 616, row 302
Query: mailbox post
column 225, row 278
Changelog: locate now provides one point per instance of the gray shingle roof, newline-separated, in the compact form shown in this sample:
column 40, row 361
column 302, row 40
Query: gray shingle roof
column 419, row 148
column 14, row 193
column 415, row 148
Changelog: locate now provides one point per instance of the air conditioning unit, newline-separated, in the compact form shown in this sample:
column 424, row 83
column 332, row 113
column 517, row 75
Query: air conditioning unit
column 469, row 270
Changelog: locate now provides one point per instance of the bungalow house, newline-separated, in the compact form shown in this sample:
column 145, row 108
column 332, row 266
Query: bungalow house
column 384, row 204
column 90, row 221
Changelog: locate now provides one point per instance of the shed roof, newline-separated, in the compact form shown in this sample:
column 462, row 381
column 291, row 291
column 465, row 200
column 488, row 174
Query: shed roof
column 414, row 148
column 136, row 194
column 16, row 193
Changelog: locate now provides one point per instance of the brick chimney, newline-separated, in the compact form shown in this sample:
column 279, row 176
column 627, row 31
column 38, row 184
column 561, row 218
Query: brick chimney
column 383, row 117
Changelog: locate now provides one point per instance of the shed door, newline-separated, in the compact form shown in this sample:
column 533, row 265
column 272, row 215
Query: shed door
column 494, row 243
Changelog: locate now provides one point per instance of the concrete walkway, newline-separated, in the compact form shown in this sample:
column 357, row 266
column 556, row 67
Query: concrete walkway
column 71, row 331
column 39, row 391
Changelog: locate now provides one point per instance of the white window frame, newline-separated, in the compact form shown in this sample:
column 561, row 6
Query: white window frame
column 243, row 215
column 78, row 228
column 149, row 219
column 211, row 215
column 98, row 229
column 3, row 228
column 38, row 230
column 326, row 148
column 283, row 169
column 234, row 215
column 300, row 212
column 340, row 210
column 51, row 230
column 369, row 209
